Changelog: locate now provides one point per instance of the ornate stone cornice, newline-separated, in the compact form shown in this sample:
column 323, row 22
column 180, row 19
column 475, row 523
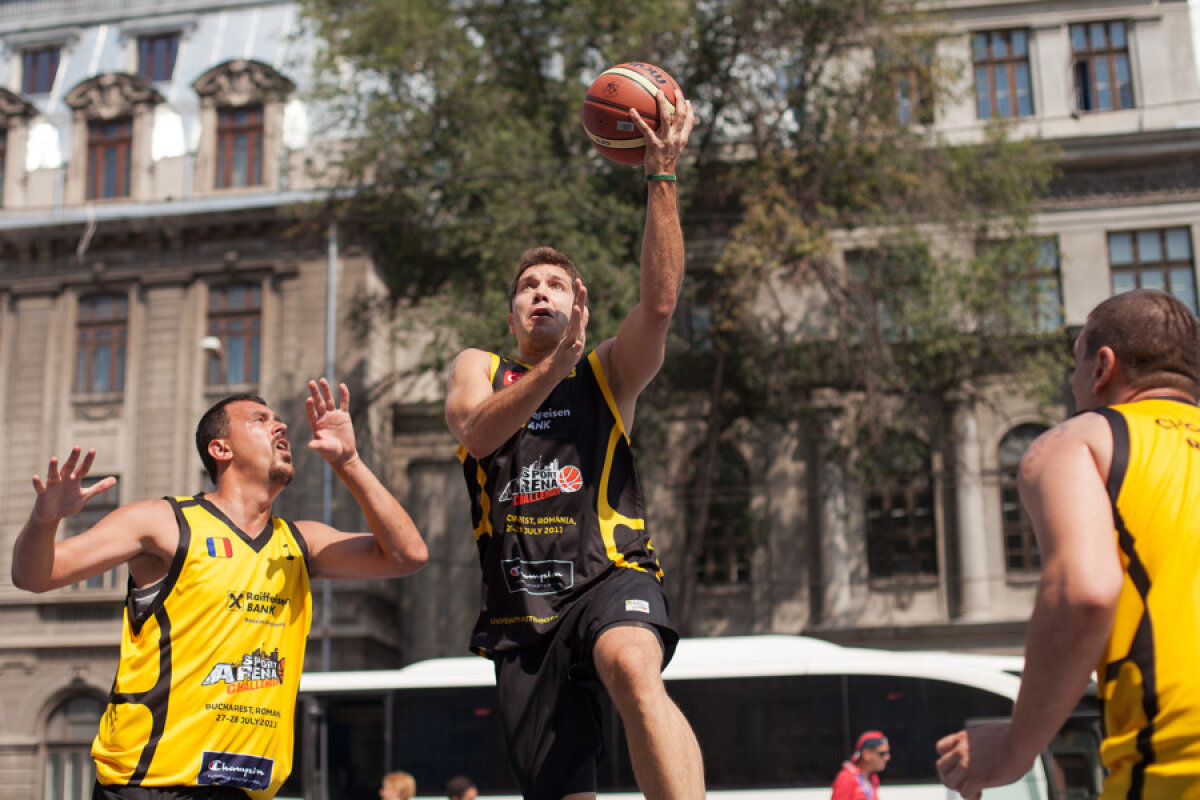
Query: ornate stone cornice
column 241, row 82
column 112, row 95
column 13, row 105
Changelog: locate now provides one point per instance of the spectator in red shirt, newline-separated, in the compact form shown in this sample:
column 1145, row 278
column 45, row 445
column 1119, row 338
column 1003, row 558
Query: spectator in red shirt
column 859, row 777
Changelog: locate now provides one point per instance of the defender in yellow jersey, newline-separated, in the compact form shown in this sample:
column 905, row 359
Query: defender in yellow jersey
column 219, row 604
column 1114, row 496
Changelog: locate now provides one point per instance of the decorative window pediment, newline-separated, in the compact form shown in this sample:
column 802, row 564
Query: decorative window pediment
column 241, row 82
column 112, row 95
column 12, row 106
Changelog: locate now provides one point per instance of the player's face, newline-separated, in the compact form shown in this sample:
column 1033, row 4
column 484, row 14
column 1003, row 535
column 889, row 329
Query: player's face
column 541, row 308
column 258, row 437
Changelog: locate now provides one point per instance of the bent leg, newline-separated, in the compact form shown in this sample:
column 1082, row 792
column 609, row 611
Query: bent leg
column 662, row 747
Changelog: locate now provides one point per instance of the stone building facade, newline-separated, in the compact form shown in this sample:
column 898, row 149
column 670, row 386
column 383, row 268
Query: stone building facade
column 151, row 260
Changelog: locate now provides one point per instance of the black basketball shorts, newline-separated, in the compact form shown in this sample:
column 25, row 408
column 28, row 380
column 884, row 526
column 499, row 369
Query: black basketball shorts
column 552, row 705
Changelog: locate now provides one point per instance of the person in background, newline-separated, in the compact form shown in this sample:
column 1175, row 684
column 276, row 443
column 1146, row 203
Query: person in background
column 397, row 785
column 460, row 787
column 859, row 776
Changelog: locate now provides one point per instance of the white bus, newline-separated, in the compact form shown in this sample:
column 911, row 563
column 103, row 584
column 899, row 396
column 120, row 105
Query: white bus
column 775, row 716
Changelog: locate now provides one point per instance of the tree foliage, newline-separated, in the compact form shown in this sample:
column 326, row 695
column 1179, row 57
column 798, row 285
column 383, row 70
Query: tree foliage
column 465, row 148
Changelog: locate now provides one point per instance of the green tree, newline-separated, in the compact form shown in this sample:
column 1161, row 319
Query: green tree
column 466, row 148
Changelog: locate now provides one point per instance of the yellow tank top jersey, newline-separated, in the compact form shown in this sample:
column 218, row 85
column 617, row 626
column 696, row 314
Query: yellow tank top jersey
column 1149, row 677
column 205, row 691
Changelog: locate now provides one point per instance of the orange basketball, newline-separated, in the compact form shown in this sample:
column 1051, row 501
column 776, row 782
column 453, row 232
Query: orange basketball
column 606, row 109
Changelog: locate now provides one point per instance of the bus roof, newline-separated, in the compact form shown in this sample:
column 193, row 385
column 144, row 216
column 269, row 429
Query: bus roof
column 712, row 657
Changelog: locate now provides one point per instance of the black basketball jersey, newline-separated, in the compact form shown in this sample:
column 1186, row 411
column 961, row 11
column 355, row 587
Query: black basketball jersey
column 556, row 508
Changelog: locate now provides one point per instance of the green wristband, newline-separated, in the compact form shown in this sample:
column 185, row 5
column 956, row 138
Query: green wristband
column 660, row 176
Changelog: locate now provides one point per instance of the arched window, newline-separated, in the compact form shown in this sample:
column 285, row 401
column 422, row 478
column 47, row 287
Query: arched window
column 70, row 729
column 1020, row 547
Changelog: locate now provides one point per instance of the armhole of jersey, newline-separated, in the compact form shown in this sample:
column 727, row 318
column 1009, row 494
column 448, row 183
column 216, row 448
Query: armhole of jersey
column 602, row 381
column 1120, row 452
column 300, row 542
column 493, row 369
column 167, row 584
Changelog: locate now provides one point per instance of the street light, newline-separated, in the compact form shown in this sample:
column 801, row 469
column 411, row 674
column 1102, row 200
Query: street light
column 215, row 349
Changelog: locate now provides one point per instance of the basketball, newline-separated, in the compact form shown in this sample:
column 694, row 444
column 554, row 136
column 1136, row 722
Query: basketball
column 606, row 109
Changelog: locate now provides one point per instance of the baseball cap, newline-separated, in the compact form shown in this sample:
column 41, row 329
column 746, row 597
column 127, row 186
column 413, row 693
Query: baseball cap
column 868, row 739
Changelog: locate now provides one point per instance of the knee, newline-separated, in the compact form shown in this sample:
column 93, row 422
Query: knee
column 632, row 670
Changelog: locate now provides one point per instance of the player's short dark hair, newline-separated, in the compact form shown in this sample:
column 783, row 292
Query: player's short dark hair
column 1155, row 337
column 541, row 255
column 215, row 425
column 456, row 786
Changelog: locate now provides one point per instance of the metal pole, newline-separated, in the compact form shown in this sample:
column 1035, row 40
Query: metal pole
column 327, row 472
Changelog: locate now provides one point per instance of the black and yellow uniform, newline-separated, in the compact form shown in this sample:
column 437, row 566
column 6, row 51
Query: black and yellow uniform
column 205, row 691
column 1148, row 675
column 556, row 508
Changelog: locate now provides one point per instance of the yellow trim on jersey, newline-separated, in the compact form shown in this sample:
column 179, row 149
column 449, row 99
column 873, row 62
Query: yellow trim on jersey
column 602, row 381
column 607, row 516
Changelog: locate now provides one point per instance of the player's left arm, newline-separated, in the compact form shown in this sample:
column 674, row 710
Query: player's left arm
column 1063, row 486
column 634, row 356
column 394, row 546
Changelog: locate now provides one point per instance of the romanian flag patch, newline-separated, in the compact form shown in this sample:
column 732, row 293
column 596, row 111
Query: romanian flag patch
column 220, row 547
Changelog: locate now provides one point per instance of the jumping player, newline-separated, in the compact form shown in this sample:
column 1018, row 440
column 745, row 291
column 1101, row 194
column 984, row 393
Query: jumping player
column 572, row 602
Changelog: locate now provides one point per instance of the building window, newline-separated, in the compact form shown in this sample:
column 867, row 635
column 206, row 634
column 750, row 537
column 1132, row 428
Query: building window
column 1101, row 62
column 1020, row 545
column 156, row 56
column 1159, row 258
column 881, row 288
column 914, row 105
column 727, row 541
column 239, row 147
column 38, row 69
column 1029, row 277
column 1002, row 83
column 235, row 319
column 100, row 357
column 92, row 512
column 110, row 143
column 70, row 772
column 901, row 529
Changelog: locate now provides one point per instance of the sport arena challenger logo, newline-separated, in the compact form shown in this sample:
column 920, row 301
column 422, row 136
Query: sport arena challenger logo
column 539, row 482
column 257, row 670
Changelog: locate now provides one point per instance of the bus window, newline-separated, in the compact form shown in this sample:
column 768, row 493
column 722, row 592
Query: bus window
column 914, row 713
column 440, row 733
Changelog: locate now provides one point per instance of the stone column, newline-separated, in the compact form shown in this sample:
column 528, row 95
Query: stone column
column 972, row 530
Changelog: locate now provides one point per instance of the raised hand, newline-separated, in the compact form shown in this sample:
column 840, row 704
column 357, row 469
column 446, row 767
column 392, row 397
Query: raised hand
column 333, row 430
column 574, row 338
column 62, row 493
column 664, row 146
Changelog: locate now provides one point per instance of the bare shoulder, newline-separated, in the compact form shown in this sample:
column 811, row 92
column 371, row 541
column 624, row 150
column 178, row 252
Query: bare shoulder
column 470, row 365
column 1085, row 431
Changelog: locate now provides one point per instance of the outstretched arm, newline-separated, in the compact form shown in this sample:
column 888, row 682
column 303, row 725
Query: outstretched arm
column 635, row 355
column 394, row 546
column 40, row 563
column 1062, row 483
column 482, row 419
